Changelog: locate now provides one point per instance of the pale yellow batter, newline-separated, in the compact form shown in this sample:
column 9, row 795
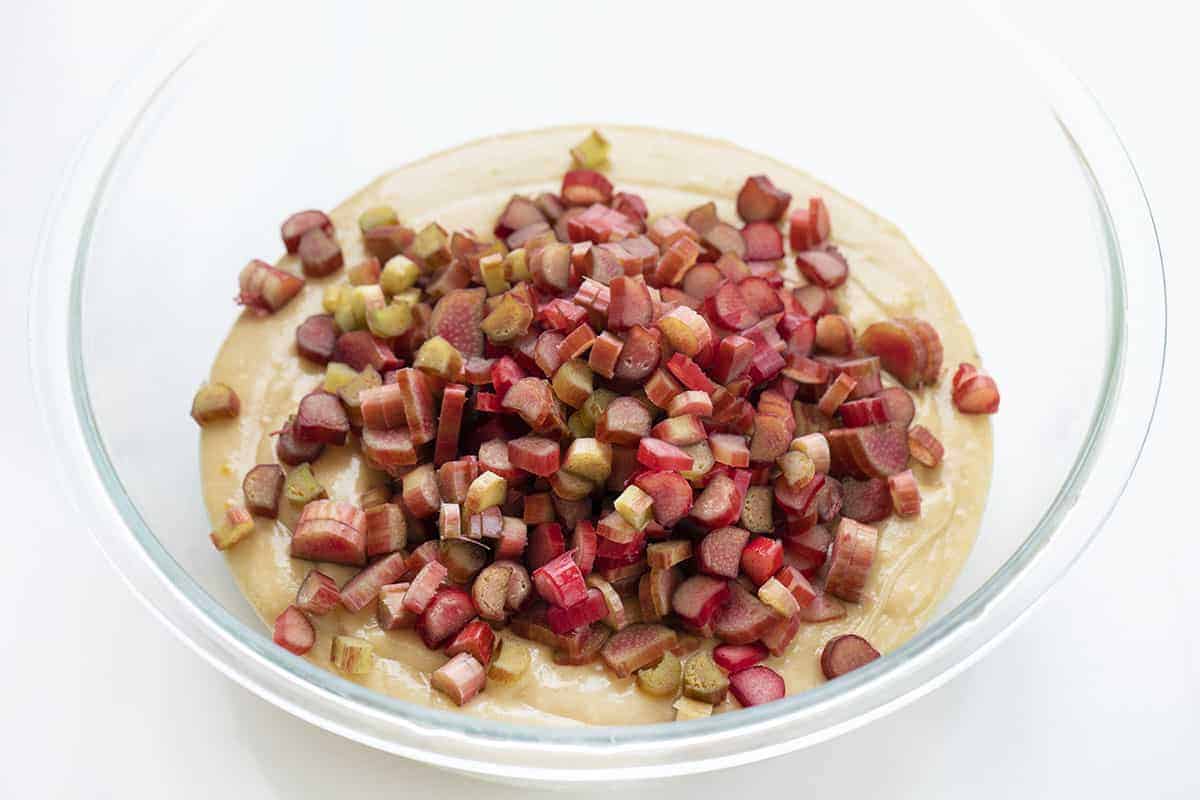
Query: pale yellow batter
column 466, row 188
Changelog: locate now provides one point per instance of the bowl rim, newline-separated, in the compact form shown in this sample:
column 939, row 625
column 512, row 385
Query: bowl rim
column 459, row 741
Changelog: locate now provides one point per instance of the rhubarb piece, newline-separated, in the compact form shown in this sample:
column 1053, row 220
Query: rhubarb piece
column 572, row 382
column 458, row 318
column 235, row 526
column 589, row 458
column 352, row 655
column 630, row 303
column 761, row 558
column 377, row 216
column 737, row 657
column 699, row 598
column 924, row 446
column 421, row 494
column 836, row 394
column 757, row 685
column 932, row 342
column 584, row 543
column 534, row 454
column 490, row 590
column 560, row 581
column 351, row 394
column 539, row 508
column 424, row 586
column 823, row 608
column 720, row 504
column 664, row 231
column 614, row 528
column 476, row 640
column 702, row 281
column 759, row 199
column 214, row 401
column 385, row 242
column 757, row 515
column 533, row 400
column 835, row 335
column 631, row 205
column 899, row 349
column 513, row 538
column 655, row 590
column 320, row 254
column 850, row 560
column 844, row 653
column 363, row 588
column 321, row 418
column 781, row 632
column 486, row 491
column 302, row 486
column 729, row 449
column 360, row 349
column 375, row 496
column 874, row 452
column 509, row 319
column 868, row 501
column 438, row 357
column 636, row 646
column 729, row 308
column 450, row 521
column 686, row 331
column 635, row 506
column 771, row 439
column 702, row 681
column 744, row 619
column 389, row 450
column 776, row 596
column 761, row 298
column 624, row 422
column 584, row 187
column 399, row 274
column 510, row 663
column 570, row 487
column 977, row 394
column 581, row 646
column 815, row 301
column 734, row 355
column 662, row 679
column 550, row 267
column 606, row 350
column 262, row 487
column 519, row 213
column 463, row 558
column 364, row 273
column 431, row 247
column 615, row 618
column 794, row 581
column 520, row 586
column 676, row 261
column 906, row 495
column 390, row 612
column 330, row 530
column 868, row 411
column 797, row 468
column 963, row 372
column 446, row 614
column 576, row 343
column 337, row 375
column 702, row 218
column 682, row 431
column 386, row 531
column 316, row 338
column 592, row 152
column 825, row 267
column 670, row 492
column 816, row 447
column 640, row 354
column 809, row 227
column 460, row 678
column 300, row 223
column 763, row 242
column 591, row 609
column 294, row 632
column 664, row 555
column 659, row 455
column 690, row 402
column 318, row 594
column 493, row 456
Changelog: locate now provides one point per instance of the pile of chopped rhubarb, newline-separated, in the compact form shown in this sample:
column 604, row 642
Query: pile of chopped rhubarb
column 615, row 433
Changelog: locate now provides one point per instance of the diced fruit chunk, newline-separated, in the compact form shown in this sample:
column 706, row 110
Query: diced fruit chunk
column 757, row 685
column 352, row 655
column 842, row 654
column 214, row 401
column 235, row 526
column 460, row 678
column 294, row 632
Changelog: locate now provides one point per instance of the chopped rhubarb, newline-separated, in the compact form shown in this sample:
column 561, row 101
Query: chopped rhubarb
column 850, row 559
column 737, row 657
column 662, row 679
column 757, row 685
column 977, row 394
column 489, row 591
column 659, row 455
column 534, row 454
column 510, row 663
column 699, row 598
column 825, row 267
column 300, row 223
column 744, row 619
column 759, row 199
column 424, row 586
column 592, row 608
column 624, row 422
column 761, row 558
column 671, row 493
column 640, row 354
column 390, row 611
column 836, row 394
column 330, row 530
column 320, row 254
column 236, row 525
column 844, row 653
column 809, row 227
column 294, row 632
column 445, row 615
column 460, row 678
column 720, row 504
column 924, row 446
column 386, row 529
column 872, row 452
column 763, row 242
column 560, row 581
column 352, row 655
column 476, row 639
column 655, row 590
column 262, row 487
column 867, row 501
column 636, row 646
column 214, row 401
column 363, row 588
column 583, row 187
column 906, row 495
column 730, row 449
column 321, row 418
column 318, row 594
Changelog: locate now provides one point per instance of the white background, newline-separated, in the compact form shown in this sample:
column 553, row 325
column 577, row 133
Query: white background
column 1097, row 695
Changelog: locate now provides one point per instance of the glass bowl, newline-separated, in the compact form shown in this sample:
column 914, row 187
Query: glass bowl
column 993, row 159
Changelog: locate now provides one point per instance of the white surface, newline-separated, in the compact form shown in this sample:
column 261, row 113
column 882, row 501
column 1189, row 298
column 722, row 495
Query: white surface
column 1098, row 694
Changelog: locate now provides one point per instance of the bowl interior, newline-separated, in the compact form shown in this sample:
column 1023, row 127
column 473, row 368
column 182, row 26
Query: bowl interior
column 942, row 134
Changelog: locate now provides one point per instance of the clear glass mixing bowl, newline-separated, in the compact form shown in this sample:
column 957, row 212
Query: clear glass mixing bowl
column 995, row 161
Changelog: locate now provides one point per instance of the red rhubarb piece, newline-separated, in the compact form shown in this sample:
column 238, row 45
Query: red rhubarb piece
column 825, row 267
column 631, row 205
column 794, row 581
column 963, row 372
column 823, row 608
column 977, row 394
column 320, row 254
column 850, row 559
column 733, row 358
column 322, row 418
column 390, row 611
column 624, row 422
column 865, row 372
column 763, row 242
column 737, row 657
column 458, row 318
column 836, row 394
column 868, row 411
column 815, row 300
column 671, row 493
column 655, row 590
column 729, row 308
column 906, row 495
column 690, row 374
column 873, row 452
column 702, row 281
column 809, row 227
column 359, row 349
column 519, row 212
column 759, row 199
column 318, row 594
column 330, row 530
column 676, row 261
column 264, row 289
column 454, row 399
column 761, row 558
column 294, row 632
column 382, row 407
column 425, row 585
column 493, row 457
column 900, row 351
column 799, row 333
column 924, row 446
column 780, row 633
column 698, row 599
column 316, row 338
column 583, row 187
column 867, row 501
column 680, row 431
column 900, row 406
column 447, row 613
column 640, row 355
column 835, row 335
column 636, row 646
column 416, row 394
column 364, row 587
column 719, row 553
column 757, row 685
column 772, row 436
column 591, row 609
column 761, row 298
column 701, row 219
column 292, row 450
column 723, row 240
column 300, row 223
column 262, row 487
column 560, row 581
column 744, row 619
column 659, row 455
column 720, row 504
column 730, row 449
column 533, row 399
column 629, row 303
column 476, row 639
column 584, row 542
column 844, row 653
column 387, row 530
column 800, row 501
